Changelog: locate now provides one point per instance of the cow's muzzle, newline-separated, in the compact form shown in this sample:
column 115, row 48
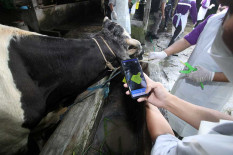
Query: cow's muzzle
column 135, row 48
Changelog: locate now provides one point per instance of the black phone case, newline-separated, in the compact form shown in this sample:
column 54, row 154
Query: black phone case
column 128, row 82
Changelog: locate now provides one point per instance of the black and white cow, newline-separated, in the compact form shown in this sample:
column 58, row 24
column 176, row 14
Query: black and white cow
column 40, row 74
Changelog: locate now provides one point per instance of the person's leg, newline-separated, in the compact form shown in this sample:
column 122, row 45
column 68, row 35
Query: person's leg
column 155, row 27
column 175, row 35
column 198, row 22
column 150, row 27
column 108, row 12
column 167, row 11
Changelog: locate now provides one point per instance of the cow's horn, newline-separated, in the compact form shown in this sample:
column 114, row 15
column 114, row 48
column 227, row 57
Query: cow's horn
column 135, row 43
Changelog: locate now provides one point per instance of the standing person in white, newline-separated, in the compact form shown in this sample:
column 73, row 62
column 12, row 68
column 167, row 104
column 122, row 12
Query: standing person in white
column 183, row 9
column 205, row 5
column 203, row 9
column 120, row 13
column 215, row 94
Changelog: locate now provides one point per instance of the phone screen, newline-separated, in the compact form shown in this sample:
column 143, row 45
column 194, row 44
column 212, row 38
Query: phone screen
column 134, row 77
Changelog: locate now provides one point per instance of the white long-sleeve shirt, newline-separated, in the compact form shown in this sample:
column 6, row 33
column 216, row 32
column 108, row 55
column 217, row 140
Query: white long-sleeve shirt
column 219, row 140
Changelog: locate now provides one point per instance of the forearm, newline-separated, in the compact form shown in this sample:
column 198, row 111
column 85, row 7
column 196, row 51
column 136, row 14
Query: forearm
column 111, row 7
column 157, row 125
column 220, row 77
column 163, row 9
column 193, row 114
column 177, row 47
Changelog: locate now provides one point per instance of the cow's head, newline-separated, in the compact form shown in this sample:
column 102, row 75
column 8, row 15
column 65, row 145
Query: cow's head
column 128, row 47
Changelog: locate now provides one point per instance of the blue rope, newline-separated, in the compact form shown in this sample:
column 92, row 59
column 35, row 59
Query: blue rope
column 106, row 84
column 95, row 87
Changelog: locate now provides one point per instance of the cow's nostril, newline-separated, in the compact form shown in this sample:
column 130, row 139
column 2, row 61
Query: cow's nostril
column 131, row 47
column 140, row 55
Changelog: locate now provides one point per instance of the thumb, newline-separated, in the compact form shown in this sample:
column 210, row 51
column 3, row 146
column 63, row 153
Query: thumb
column 141, row 99
column 148, row 89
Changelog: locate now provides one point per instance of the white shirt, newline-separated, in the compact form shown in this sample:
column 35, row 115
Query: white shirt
column 219, row 140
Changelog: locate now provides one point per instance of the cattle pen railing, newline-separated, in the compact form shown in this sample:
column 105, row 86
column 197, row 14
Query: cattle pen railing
column 75, row 132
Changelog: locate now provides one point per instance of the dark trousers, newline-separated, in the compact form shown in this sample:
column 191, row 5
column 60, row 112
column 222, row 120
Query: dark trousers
column 175, row 35
column 107, row 10
column 168, row 14
column 198, row 22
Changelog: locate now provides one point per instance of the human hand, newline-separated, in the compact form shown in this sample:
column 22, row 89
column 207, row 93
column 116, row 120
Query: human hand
column 211, row 6
column 163, row 16
column 158, row 95
column 201, row 75
column 114, row 15
column 157, row 55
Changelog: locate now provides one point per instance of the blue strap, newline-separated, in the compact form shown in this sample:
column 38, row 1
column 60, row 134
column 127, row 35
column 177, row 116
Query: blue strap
column 106, row 90
column 106, row 84
column 95, row 87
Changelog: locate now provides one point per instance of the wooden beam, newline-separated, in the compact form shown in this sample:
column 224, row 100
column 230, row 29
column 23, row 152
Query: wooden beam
column 76, row 127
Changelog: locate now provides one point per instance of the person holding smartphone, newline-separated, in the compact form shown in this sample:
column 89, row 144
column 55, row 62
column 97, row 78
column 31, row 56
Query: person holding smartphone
column 161, row 133
column 213, row 138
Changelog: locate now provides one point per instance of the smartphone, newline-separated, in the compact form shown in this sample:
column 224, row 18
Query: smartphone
column 134, row 77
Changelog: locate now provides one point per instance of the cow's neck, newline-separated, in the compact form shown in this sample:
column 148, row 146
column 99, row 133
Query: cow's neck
column 61, row 68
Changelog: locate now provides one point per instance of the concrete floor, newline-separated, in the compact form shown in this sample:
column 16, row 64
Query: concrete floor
column 166, row 71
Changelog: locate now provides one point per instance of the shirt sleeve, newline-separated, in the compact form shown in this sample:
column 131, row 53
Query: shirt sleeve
column 218, row 141
column 193, row 12
column 163, row 1
column 193, row 36
column 165, row 144
column 203, row 4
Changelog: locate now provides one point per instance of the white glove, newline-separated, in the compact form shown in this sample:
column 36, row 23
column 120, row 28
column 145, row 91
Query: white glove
column 157, row 55
column 114, row 15
column 201, row 75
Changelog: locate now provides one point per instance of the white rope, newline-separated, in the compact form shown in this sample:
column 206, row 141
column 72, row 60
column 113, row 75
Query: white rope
column 108, row 64
column 108, row 46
